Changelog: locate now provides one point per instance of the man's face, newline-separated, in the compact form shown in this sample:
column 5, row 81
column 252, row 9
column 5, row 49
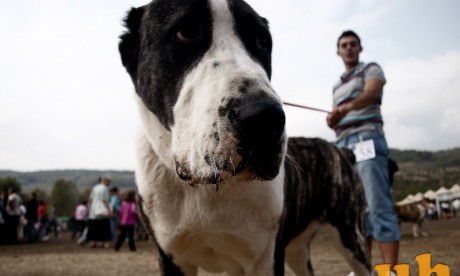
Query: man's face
column 349, row 49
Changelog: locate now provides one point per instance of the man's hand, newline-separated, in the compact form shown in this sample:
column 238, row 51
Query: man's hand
column 337, row 114
column 372, row 92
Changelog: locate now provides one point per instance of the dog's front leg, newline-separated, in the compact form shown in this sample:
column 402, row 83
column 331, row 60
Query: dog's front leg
column 279, row 257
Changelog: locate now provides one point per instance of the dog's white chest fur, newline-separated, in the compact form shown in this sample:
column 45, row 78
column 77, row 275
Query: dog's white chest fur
column 229, row 229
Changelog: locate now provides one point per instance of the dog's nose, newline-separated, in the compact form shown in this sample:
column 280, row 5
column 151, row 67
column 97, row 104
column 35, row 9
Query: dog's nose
column 258, row 121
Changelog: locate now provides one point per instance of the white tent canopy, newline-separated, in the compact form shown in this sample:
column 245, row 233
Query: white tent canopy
column 411, row 199
column 430, row 195
column 442, row 190
column 441, row 194
column 455, row 188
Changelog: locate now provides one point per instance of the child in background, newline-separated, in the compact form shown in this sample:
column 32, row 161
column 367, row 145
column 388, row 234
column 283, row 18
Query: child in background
column 81, row 215
column 43, row 222
column 128, row 218
column 115, row 204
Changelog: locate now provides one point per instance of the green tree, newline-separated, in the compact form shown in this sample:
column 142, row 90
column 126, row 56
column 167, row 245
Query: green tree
column 64, row 197
column 41, row 194
column 85, row 194
column 10, row 182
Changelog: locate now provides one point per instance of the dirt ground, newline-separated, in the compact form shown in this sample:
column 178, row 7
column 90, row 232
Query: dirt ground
column 63, row 257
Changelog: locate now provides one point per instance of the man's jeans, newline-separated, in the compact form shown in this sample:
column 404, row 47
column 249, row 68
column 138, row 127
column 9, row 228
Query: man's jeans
column 382, row 221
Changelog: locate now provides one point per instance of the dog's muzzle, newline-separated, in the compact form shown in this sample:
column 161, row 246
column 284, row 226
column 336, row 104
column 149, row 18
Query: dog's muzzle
column 258, row 123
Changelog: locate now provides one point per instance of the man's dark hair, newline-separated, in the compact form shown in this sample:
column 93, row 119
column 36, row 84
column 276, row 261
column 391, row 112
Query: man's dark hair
column 348, row 33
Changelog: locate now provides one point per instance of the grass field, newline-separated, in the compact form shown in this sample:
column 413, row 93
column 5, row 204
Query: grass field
column 58, row 257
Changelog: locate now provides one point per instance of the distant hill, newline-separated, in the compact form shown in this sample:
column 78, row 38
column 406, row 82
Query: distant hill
column 423, row 170
column 82, row 178
column 418, row 172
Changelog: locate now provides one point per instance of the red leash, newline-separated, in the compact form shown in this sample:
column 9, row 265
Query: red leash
column 306, row 107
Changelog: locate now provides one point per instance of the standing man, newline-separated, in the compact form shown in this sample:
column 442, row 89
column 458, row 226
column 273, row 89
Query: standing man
column 32, row 217
column 99, row 214
column 13, row 213
column 358, row 124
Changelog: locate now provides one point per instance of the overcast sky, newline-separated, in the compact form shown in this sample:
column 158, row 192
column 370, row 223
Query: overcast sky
column 66, row 102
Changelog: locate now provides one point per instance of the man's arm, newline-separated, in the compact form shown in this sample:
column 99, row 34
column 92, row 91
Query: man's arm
column 372, row 91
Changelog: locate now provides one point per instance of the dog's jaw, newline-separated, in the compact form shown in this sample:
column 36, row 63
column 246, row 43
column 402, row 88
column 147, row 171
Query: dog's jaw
column 157, row 135
column 231, row 229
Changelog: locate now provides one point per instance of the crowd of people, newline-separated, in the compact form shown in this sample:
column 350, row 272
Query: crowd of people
column 25, row 221
column 107, row 218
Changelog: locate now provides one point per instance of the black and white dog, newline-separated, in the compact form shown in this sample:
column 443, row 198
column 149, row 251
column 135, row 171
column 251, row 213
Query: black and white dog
column 215, row 188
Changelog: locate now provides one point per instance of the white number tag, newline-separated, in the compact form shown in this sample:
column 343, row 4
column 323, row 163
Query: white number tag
column 364, row 150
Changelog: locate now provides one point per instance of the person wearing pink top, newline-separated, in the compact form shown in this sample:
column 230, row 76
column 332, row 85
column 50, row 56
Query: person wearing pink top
column 81, row 214
column 127, row 218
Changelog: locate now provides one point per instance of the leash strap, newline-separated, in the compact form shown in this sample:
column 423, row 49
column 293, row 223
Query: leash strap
column 306, row 107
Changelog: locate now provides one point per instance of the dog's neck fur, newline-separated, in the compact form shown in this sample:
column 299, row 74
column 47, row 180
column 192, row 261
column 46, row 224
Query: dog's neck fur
column 159, row 138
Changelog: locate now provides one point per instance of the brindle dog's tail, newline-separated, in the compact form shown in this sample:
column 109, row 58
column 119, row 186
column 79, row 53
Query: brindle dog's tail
column 349, row 155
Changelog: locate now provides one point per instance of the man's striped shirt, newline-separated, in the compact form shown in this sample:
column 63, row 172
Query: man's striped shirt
column 349, row 87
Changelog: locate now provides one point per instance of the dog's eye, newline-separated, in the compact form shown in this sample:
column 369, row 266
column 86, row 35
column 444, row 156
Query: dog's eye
column 187, row 33
column 261, row 43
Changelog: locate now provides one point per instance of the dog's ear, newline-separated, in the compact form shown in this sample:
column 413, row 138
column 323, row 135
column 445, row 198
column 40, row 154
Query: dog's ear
column 129, row 44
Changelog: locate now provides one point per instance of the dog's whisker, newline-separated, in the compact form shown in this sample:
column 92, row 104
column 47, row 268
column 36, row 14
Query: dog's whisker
column 233, row 165
column 291, row 160
column 214, row 164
